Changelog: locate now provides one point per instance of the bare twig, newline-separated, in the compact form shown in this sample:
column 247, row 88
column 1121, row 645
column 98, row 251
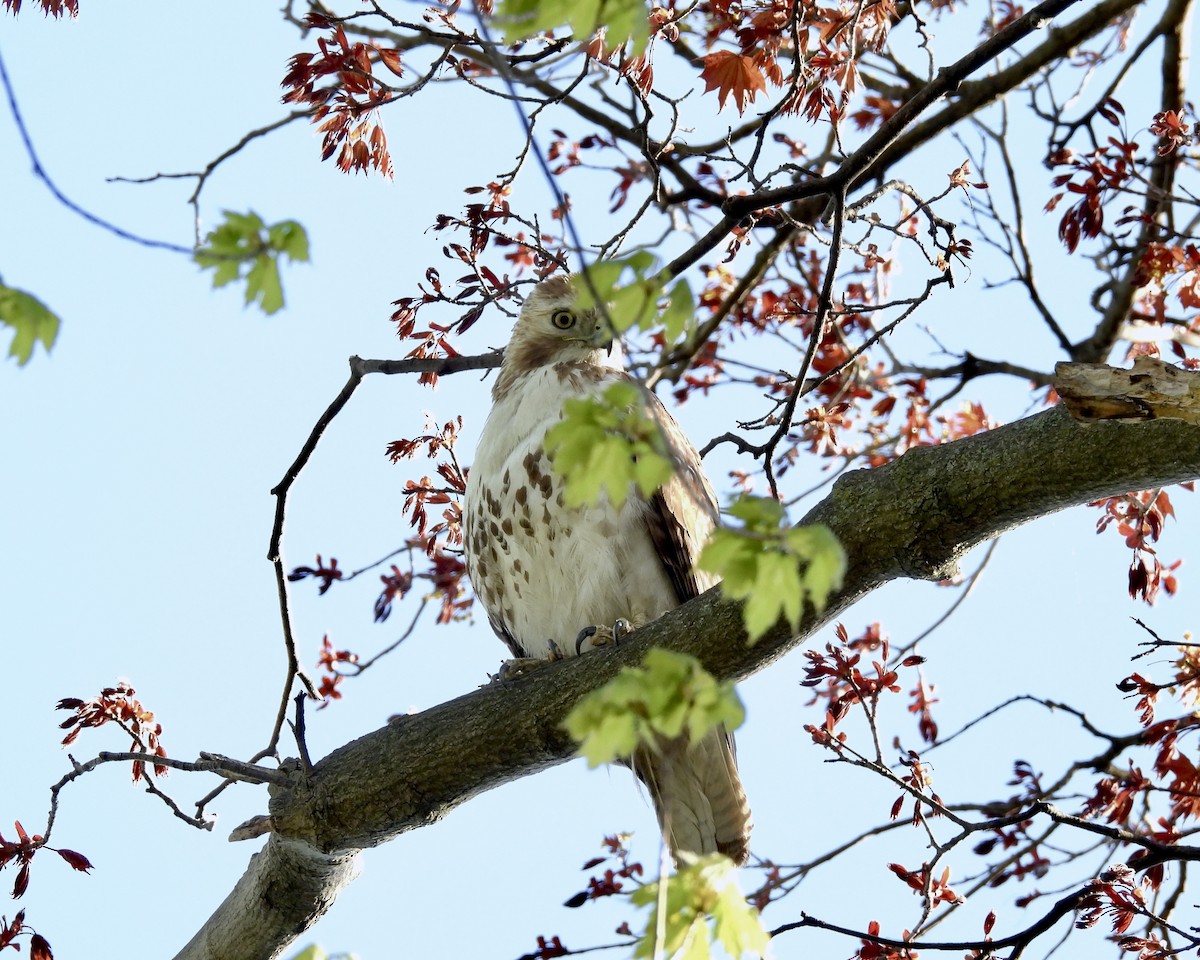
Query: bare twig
column 40, row 172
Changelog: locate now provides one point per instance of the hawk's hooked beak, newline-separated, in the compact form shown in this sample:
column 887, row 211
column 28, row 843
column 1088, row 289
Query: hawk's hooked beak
column 604, row 336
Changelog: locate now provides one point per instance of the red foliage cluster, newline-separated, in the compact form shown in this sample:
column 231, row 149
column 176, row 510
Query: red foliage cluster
column 638, row 70
column 735, row 76
column 328, row 661
column 844, row 684
column 773, row 883
column 821, row 73
column 568, row 154
column 478, row 218
column 921, row 705
column 447, row 572
column 1116, row 893
column 433, row 541
column 919, row 881
column 856, row 401
column 395, row 586
column 1139, row 518
column 116, row 705
column 346, row 106
column 434, row 342
column 872, row 950
column 39, row 949
column 1161, row 262
column 52, row 8
column 1114, row 796
column 431, row 443
column 448, row 576
column 565, row 153
column 547, row 950
column 918, row 779
column 1126, row 800
column 1166, row 270
column 1174, row 132
column 609, row 883
column 326, row 574
column 1027, row 861
column 1095, row 177
column 483, row 223
column 21, row 851
column 420, row 494
column 875, row 110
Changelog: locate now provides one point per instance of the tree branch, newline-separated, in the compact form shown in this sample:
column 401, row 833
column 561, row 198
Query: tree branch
column 915, row 517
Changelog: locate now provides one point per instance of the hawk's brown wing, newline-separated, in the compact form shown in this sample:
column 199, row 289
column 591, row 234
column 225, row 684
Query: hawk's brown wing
column 684, row 512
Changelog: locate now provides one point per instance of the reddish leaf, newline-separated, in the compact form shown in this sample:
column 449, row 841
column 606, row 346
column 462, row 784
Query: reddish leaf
column 77, row 860
column 730, row 73
column 22, row 882
column 39, row 949
column 391, row 60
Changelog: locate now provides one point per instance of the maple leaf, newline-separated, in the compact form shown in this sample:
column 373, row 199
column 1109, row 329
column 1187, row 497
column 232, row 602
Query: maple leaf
column 1189, row 290
column 730, row 73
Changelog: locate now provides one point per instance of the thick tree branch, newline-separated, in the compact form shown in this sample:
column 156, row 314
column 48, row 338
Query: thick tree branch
column 283, row 892
column 915, row 517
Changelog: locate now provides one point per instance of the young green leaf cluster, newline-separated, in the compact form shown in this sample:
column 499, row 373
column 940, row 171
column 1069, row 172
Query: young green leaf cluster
column 772, row 566
column 620, row 19
column 606, row 444
column 244, row 243
column 637, row 303
column 668, row 697
column 703, row 906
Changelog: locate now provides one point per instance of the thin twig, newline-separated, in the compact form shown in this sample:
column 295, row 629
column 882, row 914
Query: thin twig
column 40, row 172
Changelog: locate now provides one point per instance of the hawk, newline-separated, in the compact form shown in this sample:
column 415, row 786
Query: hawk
column 547, row 573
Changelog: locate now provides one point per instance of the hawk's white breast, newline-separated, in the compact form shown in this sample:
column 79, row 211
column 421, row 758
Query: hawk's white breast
column 542, row 570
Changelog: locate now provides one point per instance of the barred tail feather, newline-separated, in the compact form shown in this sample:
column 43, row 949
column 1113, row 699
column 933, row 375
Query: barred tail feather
column 698, row 796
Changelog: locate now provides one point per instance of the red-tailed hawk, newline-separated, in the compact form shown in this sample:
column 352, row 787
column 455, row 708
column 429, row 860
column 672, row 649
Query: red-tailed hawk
column 544, row 571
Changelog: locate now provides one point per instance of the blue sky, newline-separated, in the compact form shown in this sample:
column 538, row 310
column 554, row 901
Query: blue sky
column 138, row 460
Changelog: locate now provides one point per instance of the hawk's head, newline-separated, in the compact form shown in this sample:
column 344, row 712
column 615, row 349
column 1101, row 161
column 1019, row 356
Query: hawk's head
column 553, row 329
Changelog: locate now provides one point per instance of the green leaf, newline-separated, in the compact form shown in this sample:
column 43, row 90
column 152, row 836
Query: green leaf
column 759, row 514
column 703, row 905
column 669, row 696
column 312, row 952
column 31, row 320
column 635, row 302
column 680, row 316
column 289, row 237
column 634, row 305
column 243, row 247
column 826, row 567
column 733, row 557
column 263, row 285
column 774, row 568
column 777, row 591
column 606, row 444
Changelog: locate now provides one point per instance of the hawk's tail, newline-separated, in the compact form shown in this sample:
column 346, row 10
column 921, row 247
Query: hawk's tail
column 698, row 796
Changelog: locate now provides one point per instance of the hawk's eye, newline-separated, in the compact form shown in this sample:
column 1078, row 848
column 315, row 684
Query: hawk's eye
column 563, row 319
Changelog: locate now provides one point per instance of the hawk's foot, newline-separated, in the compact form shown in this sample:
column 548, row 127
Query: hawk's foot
column 602, row 636
column 520, row 666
